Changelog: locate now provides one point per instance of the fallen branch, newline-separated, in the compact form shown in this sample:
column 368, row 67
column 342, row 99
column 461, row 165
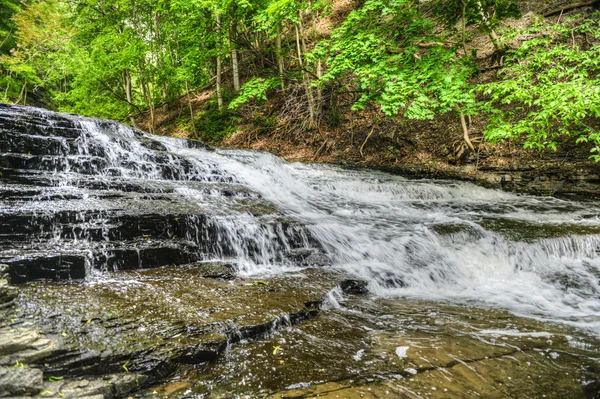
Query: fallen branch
column 320, row 149
column 365, row 143
column 570, row 7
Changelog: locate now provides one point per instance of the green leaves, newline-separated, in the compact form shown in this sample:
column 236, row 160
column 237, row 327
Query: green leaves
column 255, row 89
column 398, row 61
column 553, row 89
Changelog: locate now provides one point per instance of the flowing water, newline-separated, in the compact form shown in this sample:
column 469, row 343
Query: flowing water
column 435, row 240
column 429, row 241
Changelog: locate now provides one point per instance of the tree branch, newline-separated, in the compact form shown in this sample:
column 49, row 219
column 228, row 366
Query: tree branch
column 570, row 7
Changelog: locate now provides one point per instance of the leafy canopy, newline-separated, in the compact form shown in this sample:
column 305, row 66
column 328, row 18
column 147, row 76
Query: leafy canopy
column 549, row 89
column 399, row 61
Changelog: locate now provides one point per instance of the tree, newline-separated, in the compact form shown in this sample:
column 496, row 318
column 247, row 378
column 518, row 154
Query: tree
column 400, row 62
column 549, row 88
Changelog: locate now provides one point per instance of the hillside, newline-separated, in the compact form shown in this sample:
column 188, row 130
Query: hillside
column 502, row 92
column 412, row 147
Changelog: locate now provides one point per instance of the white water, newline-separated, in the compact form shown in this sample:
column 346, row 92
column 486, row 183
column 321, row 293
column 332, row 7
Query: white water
column 414, row 238
column 381, row 228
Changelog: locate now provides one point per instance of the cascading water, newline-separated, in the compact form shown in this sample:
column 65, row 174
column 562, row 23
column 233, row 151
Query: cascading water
column 436, row 240
column 426, row 239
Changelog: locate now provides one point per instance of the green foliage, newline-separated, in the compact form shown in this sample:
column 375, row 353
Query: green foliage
column 399, row 61
column 214, row 125
column 404, row 57
column 40, row 57
column 8, row 8
column 549, row 90
column 264, row 124
column 255, row 89
column 485, row 14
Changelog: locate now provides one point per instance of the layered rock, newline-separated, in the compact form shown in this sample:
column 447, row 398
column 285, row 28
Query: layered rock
column 87, row 209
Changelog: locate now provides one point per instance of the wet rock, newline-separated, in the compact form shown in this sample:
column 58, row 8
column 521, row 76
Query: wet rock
column 4, row 268
column 153, row 321
column 58, row 267
column 112, row 386
column 355, row 287
column 20, row 381
column 16, row 340
column 8, row 294
column 223, row 271
column 25, row 346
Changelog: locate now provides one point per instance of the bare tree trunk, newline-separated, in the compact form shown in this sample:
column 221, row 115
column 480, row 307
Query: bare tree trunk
column 298, row 46
column 464, row 26
column 128, row 93
column 189, row 98
column 236, row 71
column 319, row 66
column 219, row 69
column 22, row 93
column 280, row 57
column 148, row 98
column 301, row 45
column 463, row 123
column 233, row 35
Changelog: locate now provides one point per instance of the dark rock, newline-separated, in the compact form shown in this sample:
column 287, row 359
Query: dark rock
column 83, row 194
column 355, row 287
column 223, row 271
column 53, row 267
column 4, row 269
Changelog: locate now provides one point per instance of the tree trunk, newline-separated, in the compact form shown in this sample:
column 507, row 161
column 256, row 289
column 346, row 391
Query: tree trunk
column 236, row 71
column 319, row 67
column 280, row 57
column 148, row 98
column 128, row 93
column 219, row 69
column 466, row 137
column 301, row 46
column 464, row 26
column 189, row 98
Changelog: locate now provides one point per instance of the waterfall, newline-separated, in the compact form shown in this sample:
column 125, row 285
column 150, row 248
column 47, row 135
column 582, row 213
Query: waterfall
column 100, row 187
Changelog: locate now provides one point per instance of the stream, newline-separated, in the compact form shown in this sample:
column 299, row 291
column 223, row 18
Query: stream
column 130, row 249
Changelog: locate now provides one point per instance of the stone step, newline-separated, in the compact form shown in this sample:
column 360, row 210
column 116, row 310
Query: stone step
column 121, row 225
column 34, row 145
column 74, row 261
column 59, row 267
column 37, row 124
column 53, row 163
column 189, row 319
column 74, row 265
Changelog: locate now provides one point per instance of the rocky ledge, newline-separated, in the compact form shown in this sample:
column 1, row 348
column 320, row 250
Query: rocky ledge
column 132, row 329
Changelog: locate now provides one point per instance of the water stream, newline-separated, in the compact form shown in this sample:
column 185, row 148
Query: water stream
column 436, row 240
column 84, row 198
column 427, row 239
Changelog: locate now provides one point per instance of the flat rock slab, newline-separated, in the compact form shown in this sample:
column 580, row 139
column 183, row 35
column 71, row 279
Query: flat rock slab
column 151, row 321
column 401, row 348
column 110, row 386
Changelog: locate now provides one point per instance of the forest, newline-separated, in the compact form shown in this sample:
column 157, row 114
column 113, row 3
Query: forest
column 527, row 73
